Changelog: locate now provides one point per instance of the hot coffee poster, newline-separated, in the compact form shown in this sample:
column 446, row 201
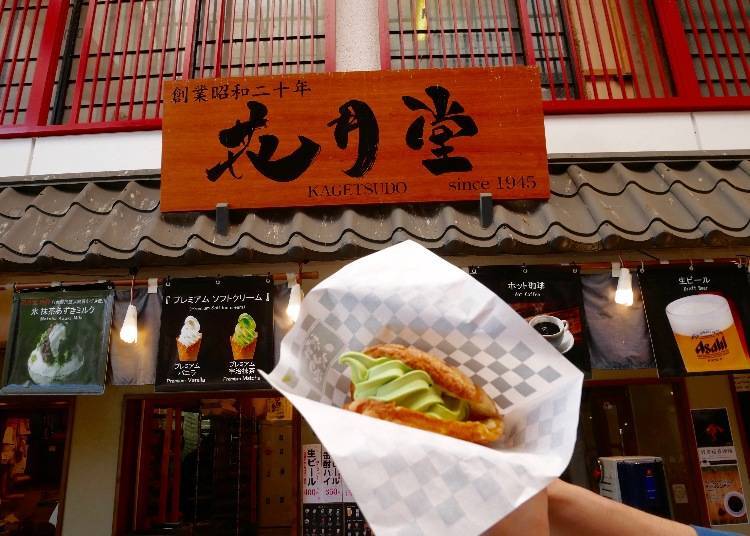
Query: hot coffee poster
column 215, row 334
column 698, row 318
column 59, row 341
column 725, row 497
column 550, row 299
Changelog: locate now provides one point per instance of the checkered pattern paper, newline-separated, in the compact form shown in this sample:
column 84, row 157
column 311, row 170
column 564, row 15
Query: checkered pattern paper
column 405, row 480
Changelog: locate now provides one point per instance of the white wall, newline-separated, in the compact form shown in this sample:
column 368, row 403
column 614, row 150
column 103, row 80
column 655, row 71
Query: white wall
column 566, row 135
column 94, row 455
column 96, row 152
column 357, row 49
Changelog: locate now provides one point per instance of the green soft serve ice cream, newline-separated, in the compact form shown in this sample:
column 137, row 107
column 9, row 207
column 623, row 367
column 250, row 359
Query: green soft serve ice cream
column 389, row 380
column 244, row 331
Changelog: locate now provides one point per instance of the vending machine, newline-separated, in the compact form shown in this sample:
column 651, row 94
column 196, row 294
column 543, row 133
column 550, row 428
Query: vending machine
column 638, row 481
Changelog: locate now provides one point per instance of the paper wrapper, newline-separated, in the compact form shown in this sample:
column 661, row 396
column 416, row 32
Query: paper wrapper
column 409, row 481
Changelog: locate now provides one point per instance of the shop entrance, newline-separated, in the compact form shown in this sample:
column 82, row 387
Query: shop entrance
column 642, row 419
column 208, row 466
column 33, row 459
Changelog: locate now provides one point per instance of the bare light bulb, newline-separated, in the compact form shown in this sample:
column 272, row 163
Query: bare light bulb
column 624, row 292
column 295, row 301
column 129, row 329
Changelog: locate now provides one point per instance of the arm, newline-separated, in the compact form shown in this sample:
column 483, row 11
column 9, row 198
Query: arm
column 529, row 518
column 576, row 511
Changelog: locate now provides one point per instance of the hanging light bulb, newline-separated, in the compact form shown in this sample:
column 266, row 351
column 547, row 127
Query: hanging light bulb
column 624, row 292
column 295, row 301
column 129, row 329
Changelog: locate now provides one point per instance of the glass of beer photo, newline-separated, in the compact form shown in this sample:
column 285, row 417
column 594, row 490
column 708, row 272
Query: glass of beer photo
column 706, row 334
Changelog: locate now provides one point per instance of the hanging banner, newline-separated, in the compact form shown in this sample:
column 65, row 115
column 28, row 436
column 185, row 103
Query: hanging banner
column 215, row 334
column 327, row 503
column 311, row 468
column 353, row 138
column 618, row 334
column 550, row 299
column 331, row 488
column 724, row 495
column 135, row 363
column 713, row 436
column 59, row 341
column 698, row 318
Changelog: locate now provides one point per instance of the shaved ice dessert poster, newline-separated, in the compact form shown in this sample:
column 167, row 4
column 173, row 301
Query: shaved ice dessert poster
column 59, row 341
column 216, row 334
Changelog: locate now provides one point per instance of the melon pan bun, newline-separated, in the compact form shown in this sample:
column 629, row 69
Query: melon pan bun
column 484, row 424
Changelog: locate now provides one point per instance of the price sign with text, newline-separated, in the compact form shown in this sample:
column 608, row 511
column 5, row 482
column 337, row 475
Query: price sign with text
column 353, row 138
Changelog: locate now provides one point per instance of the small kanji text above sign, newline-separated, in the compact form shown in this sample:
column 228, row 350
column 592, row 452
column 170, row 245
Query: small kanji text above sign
column 353, row 138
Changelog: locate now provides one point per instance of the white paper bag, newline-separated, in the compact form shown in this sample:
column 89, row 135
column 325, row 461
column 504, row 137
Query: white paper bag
column 408, row 481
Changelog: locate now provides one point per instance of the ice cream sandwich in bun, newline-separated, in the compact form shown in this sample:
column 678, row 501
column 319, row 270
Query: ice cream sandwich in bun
column 411, row 387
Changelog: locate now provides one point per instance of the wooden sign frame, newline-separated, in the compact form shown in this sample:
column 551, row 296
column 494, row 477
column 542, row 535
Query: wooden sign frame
column 299, row 140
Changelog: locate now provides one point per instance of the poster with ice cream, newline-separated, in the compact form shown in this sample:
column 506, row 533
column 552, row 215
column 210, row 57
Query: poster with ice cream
column 216, row 333
column 59, row 341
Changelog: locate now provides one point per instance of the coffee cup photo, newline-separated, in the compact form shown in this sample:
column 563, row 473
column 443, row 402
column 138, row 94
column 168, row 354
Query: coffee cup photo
column 734, row 504
column 550, row 327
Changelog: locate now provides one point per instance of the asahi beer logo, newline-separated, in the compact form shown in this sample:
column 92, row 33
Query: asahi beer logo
column 718, row 348
column 705, row 332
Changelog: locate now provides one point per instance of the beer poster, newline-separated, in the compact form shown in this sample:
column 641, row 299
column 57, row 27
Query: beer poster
column 311, row 470
column 725, row 497
column 550, row 299
column 698, row 317
column 215, row 334
column 59, row 341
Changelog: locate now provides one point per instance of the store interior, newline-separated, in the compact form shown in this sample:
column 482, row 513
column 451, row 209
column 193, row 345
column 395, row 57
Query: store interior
column 32, row 465
column 200, row 465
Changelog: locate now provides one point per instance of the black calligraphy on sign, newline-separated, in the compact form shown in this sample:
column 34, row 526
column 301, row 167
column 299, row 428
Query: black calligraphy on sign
column 441, row 133
column 301, row 87
column 448, row 122
column 239, row 136
column 179, row 95
column 287, row 168
column 200, row 93
column 357, row 115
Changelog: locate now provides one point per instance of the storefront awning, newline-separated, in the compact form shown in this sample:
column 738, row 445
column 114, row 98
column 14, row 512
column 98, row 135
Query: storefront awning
column 53, row 221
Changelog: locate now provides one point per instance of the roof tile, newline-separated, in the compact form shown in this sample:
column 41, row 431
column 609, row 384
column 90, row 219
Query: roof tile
column 593, row 207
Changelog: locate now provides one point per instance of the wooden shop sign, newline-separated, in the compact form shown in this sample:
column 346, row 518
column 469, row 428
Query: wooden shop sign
column 353, row 138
